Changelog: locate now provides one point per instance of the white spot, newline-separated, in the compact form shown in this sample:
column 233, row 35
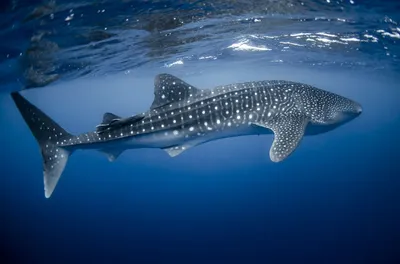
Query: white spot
column 269, row 114
column 238, row 117
column 190, row 116
column 174, row 121
column 191, row 128
column 163, row 96
column 176, row 132
column 250, row 116
column 218, row 121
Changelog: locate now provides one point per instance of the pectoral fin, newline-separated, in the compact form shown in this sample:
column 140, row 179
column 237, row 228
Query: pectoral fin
column 288, row 132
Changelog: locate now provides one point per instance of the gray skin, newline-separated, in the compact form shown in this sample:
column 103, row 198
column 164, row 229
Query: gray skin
column 183, row 116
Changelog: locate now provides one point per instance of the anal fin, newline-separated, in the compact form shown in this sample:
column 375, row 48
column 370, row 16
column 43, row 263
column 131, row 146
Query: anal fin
column 112, row 154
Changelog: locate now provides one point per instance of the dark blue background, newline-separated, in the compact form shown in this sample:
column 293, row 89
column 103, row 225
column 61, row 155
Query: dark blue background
column 335, row 200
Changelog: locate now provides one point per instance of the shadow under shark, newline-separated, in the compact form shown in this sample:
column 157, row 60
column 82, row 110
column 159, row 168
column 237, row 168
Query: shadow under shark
column 183, row 116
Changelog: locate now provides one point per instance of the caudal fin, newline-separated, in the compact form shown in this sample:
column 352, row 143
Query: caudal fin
column 50, row 136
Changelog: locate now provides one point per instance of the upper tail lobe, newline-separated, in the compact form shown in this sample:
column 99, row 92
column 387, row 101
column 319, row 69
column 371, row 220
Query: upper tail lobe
column 49, row 135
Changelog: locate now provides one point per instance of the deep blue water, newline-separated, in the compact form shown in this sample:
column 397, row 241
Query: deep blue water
column 334, row 200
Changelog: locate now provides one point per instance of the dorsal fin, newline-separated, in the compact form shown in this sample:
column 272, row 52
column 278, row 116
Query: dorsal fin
column 169, row 89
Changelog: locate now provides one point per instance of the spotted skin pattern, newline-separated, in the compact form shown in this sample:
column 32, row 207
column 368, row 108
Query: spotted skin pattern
column 183, row 116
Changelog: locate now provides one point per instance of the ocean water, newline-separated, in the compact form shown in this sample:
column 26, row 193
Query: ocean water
column 334, row 200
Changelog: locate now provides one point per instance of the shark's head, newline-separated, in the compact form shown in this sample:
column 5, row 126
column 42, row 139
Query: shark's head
column 328, row 109
column 341, row 111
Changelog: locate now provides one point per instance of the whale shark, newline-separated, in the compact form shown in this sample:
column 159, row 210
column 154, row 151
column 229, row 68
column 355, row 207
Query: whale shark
column 183, row 116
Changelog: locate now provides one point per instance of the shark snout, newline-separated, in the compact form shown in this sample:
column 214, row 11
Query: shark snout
column 358, row 109
column 353, row 110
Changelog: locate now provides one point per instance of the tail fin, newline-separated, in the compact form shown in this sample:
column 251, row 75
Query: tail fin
column 50, row 136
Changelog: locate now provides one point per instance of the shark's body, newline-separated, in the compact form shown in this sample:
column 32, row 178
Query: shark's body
column 183, row 116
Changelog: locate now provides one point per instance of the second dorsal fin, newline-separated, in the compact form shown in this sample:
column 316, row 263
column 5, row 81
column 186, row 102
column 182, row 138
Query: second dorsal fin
column 169, row 89
column 108, row 120
column 110, row 117
column 111, row 121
